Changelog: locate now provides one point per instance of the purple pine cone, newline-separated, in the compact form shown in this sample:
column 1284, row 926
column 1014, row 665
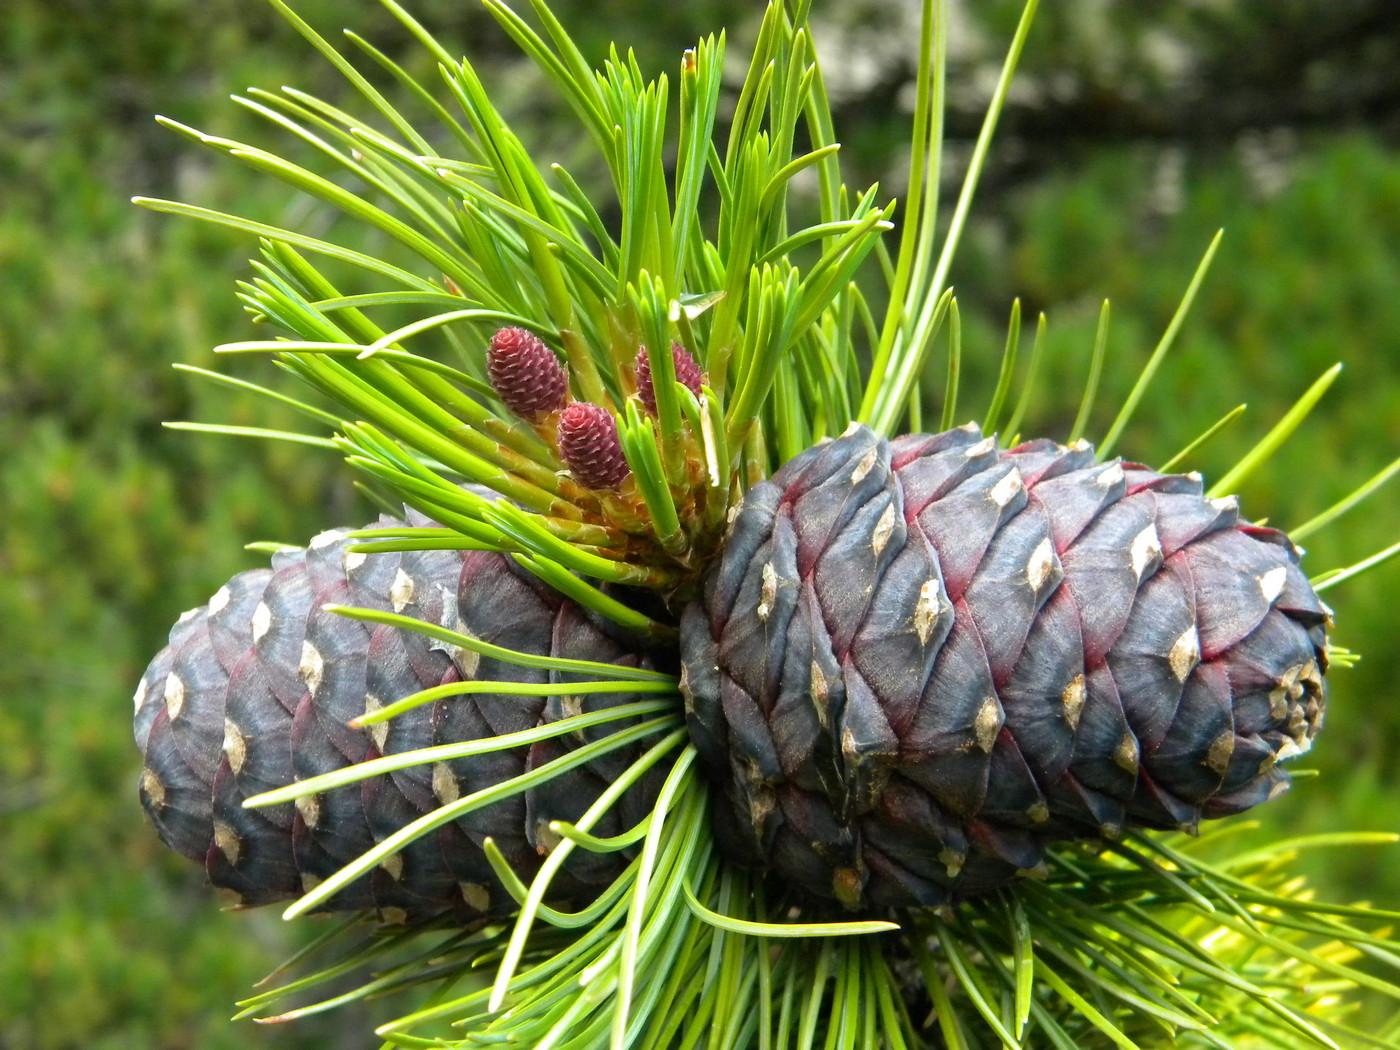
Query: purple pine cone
column 589, row 444
column 919, row 662
column 687, row 372
column 255, row 691
column 526, row 374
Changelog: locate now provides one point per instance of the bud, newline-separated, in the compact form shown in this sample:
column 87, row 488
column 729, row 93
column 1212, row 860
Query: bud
column 687, row 373
column 589, row 444
column 526, row 374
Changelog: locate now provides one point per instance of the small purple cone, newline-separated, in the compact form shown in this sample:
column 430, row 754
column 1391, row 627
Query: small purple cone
column 526, row 374
column 589, row 444
column 687, row 373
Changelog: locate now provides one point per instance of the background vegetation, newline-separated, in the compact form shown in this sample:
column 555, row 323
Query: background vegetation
column 1136, row 131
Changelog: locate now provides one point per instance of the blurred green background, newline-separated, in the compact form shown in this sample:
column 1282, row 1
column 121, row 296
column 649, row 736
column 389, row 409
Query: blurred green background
column 1135, row 132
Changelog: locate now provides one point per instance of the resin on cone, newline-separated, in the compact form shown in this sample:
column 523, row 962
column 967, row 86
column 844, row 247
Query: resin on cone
column 255, row 691
column 917, row 663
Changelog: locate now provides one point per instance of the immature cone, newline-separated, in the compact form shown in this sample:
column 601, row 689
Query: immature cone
column 526, row 374
column 255, row 692
column 919, row 662
column 687, row 373
column 589, row 445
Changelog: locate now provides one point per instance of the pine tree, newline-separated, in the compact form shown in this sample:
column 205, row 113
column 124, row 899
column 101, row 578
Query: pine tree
column 767, row 717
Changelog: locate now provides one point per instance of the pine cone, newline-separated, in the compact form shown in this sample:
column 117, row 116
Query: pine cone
column 526, row 374
column 688, row 374
column 919, row 662
column 589, row 446
column 255, row 691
